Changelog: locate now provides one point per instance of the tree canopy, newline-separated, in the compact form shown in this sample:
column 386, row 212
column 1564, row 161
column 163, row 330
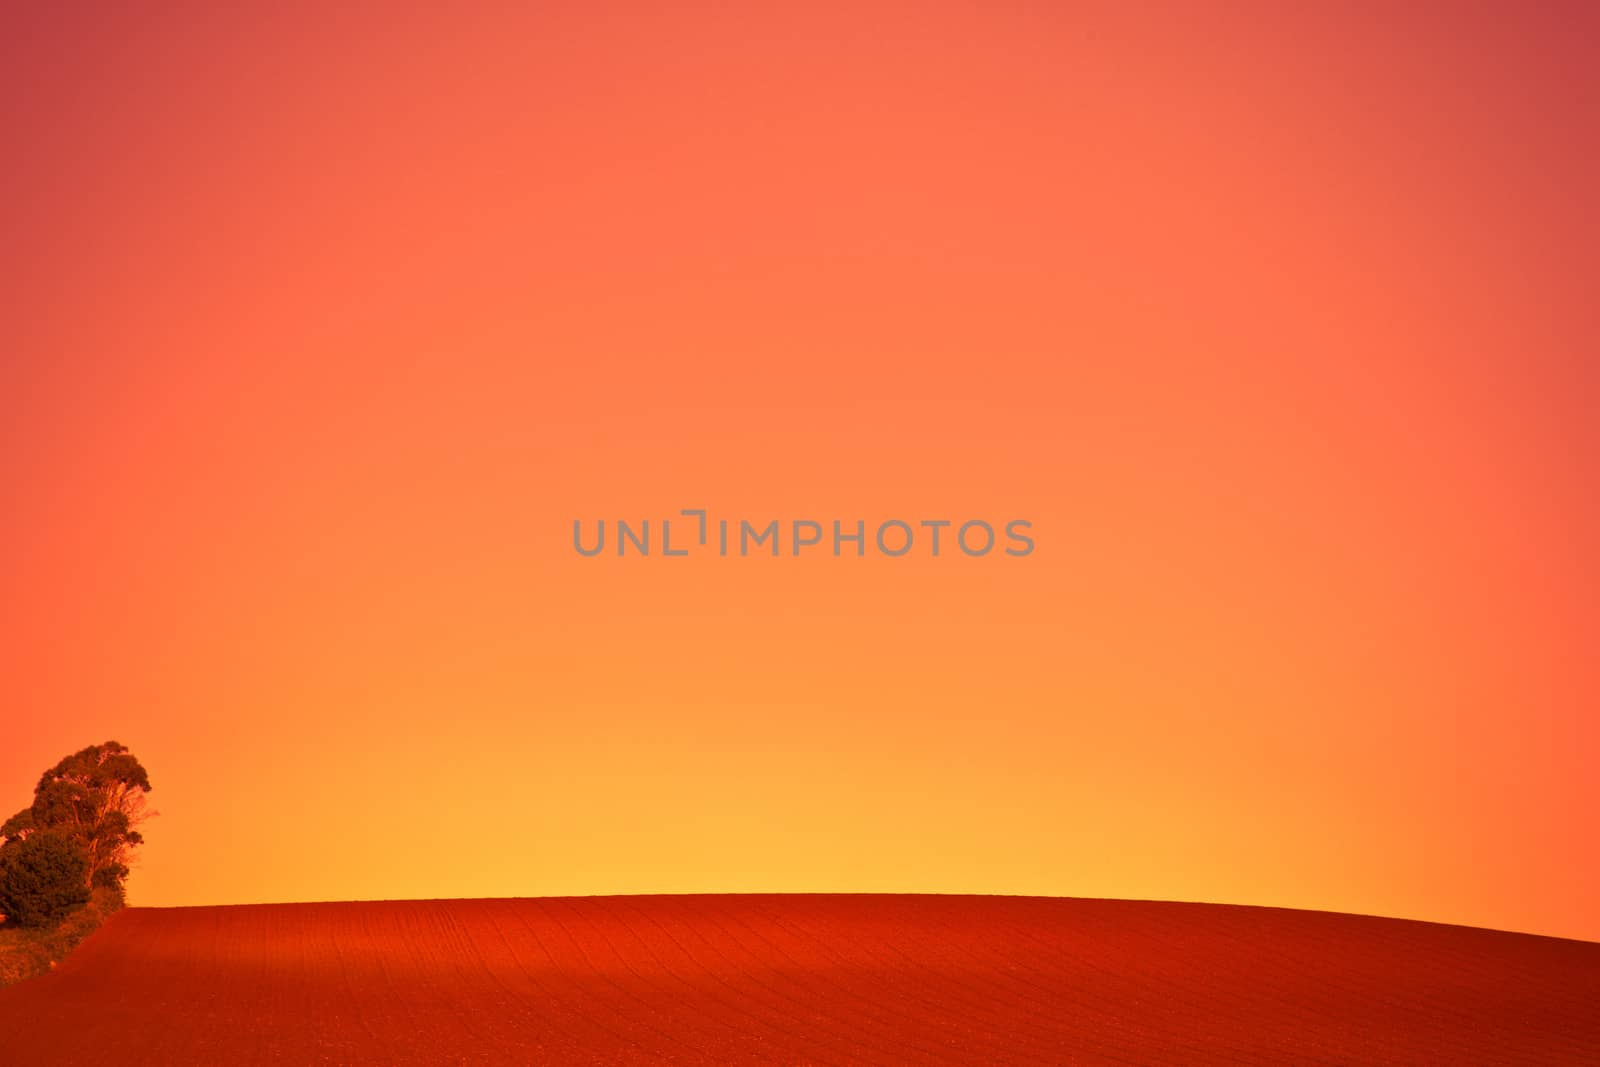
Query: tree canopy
column 94, row 798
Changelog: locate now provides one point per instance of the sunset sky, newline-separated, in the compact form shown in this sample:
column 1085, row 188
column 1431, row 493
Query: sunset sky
column 320, row 329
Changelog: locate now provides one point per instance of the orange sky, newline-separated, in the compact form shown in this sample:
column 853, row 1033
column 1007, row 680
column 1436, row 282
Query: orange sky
column 320, row 330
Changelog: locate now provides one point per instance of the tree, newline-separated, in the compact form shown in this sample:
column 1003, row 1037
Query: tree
column 96, row 798
column 42, row 877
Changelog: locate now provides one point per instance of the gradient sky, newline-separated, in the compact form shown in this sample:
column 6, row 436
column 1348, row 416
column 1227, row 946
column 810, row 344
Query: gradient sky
column 319, row 329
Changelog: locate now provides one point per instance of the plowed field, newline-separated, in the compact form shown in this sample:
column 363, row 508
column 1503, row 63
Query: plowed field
column 800, row 980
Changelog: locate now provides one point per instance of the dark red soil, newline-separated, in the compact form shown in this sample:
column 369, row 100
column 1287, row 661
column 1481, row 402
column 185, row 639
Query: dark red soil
column 800, row 980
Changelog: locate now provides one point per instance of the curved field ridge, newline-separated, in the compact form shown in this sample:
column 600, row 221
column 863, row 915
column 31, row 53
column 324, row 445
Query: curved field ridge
column 827, row 979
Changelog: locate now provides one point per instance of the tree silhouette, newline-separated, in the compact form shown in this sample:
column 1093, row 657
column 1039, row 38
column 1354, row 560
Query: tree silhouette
column 96, row 799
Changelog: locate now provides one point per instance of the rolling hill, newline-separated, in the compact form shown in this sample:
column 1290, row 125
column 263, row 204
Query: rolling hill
column 800, row 979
